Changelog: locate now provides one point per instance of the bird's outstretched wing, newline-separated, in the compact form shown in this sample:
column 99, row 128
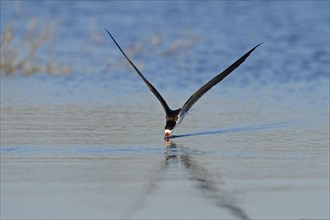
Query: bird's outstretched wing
column 200, row 92
column 151, row 87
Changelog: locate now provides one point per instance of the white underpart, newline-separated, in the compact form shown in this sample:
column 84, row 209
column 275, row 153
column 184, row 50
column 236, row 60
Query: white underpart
column 168, row 131
column 180, row 119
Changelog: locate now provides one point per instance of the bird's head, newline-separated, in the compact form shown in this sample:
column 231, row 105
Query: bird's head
column 169, row 127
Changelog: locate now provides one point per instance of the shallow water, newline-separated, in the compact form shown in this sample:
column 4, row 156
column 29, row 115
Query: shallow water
column 90, row 144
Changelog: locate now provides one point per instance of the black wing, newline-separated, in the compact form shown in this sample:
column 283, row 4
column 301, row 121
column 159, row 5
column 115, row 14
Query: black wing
column 200, row 92
column 151, row 87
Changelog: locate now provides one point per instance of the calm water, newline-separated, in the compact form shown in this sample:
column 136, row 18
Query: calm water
column 89, row 144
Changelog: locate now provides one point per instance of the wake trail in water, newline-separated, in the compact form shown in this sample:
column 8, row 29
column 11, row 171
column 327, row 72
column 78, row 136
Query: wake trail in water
column 237, row 129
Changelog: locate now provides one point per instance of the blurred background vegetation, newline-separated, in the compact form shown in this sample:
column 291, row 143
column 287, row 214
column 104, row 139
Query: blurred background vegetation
column 23, row 52
column 32, row 50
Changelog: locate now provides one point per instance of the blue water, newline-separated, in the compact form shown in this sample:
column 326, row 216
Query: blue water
column 89, row 144
column 295, row 52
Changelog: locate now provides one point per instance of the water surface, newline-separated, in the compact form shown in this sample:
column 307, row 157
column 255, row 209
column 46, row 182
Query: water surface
column 90, row 144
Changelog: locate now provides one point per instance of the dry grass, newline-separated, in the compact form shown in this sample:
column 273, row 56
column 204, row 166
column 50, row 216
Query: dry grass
column 31, row 50
column 20, row 53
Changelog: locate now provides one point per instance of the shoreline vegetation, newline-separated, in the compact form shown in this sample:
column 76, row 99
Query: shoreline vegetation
column 32, row 50
column 23, row 53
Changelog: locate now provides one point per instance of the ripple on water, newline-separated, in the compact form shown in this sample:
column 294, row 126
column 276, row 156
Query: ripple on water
column 81, row 150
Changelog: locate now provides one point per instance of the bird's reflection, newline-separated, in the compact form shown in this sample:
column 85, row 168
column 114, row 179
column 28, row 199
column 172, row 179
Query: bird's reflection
column 211, row 188
column 171, row 150
column 184, row 159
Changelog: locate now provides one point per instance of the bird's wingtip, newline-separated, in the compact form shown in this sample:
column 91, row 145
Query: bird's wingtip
column 258, row 44
column 256, row 47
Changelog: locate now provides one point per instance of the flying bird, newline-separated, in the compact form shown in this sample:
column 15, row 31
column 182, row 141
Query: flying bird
column 175, row 117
